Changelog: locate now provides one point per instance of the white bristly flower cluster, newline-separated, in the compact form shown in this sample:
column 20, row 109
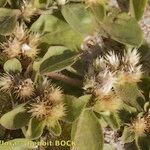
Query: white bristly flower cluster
column 21, row 43
column 48, row 104
column 28, row 10
column 21, row 88
column 112, row 69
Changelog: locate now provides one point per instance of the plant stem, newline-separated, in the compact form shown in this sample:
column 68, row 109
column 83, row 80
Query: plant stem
column 66, row 79
column 36, row 78
column 24, row 131
column 12, row 101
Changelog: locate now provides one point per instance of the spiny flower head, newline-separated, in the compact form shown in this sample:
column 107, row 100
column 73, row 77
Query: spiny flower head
column 6, row 82
column 139, row 126
column 111, row 69
column 112, row 60
column 101, row 84
column 49, row 104
column 131, row 57
column 20, row 31
column 30, row 47
column 28, row 10
column 11, row 48
column 21, row 42
column 40, row 109
column 104, row 83
column 130, row 69
column 24, row 89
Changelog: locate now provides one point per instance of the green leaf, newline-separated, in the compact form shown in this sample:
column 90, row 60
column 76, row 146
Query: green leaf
column 128, row 135
column 143, row 142
column 98, row 11
column 18, row 144
column 137, row 8
column 87, row 132
column 57, row 32
column 131, row 95
column 42, row 3
column 78, row 17
column 8, row 19
column 145, row 85
column 12, row 65
column 2, row 2
column 59, row 58
column 74, row 106
column 112, row 120
column 35, row 129
column 108, row 147
column 16, row 118
column 56, row 130
column 123, row 29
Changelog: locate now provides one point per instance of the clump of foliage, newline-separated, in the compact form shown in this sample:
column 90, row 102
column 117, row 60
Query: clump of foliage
column 72, row 69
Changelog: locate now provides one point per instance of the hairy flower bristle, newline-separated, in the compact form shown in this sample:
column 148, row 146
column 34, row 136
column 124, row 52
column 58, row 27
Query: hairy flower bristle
column 48, row 104
column 100, row 64
column 28, row 10
column 139, row 126
column 21, row 42
column 104, row 83
column 56, row 94
column 24, row 89
column 20, row 31
column 130, row 71
column 58, row 111
column 101, row 84
column 11, row 48
column 111, row 69
column 30, row 49
column 40, row 110
column 6, row 82
column 112, row 60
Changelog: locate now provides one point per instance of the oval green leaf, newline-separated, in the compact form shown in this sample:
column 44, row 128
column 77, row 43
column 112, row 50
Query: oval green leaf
column 87, row 132
column 12, row 65
column 16, row 118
